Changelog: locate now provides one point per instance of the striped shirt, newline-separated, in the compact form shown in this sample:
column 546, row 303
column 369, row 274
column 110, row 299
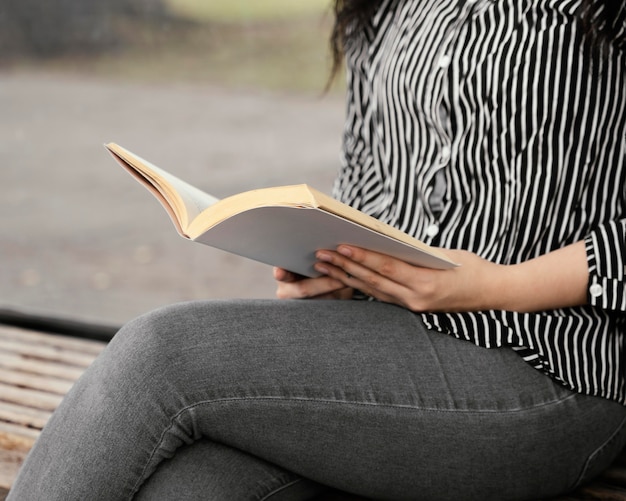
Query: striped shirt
column 490, row 126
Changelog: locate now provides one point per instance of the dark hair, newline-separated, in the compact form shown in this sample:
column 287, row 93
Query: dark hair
column 348, row 14
column 604, row 22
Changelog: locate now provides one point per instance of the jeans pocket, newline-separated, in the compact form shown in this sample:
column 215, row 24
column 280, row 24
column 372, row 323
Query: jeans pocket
column 600, row 459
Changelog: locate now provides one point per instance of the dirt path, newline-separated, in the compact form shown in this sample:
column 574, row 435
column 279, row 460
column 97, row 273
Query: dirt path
column 80, row 238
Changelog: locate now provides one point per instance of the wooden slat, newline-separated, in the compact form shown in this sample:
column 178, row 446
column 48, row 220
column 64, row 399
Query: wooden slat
column 36, row 371
column 10, row 462
column 15, row 437
column 22, row 380
column 12, row 361
column 39, row 338
column 29, row 398
column 23, row 416
column 49, row 353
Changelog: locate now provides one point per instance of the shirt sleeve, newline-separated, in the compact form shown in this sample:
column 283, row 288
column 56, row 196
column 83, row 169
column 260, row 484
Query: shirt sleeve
column 606, row 250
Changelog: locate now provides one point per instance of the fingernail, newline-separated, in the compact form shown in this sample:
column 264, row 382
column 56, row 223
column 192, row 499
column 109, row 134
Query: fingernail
column 321, row 268
column 345, row 251
column 322, row 256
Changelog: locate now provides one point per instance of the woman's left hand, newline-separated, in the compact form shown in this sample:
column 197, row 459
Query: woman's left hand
column 475, row 285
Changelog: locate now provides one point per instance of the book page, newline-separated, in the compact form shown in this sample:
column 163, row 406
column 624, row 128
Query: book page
column 195, row 200
column 182, row 201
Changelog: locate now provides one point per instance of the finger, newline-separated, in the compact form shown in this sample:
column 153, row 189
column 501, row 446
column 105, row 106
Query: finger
column 365, row 265
column 282, row 275
column 384, row 265
column 308, row 288
column 361, row 277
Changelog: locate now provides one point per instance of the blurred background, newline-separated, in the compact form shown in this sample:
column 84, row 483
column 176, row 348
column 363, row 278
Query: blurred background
column 226, row 94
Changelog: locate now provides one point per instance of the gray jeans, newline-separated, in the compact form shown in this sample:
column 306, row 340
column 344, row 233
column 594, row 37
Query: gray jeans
column 274, row 400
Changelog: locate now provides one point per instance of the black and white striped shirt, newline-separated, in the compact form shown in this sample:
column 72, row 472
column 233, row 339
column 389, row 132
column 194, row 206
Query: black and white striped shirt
column 488, row 125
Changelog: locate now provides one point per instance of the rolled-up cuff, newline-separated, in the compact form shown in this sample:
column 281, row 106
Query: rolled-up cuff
column 605, row 258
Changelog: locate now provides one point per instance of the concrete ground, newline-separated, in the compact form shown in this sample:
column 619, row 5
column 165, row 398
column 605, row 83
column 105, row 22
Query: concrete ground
column 80, row 238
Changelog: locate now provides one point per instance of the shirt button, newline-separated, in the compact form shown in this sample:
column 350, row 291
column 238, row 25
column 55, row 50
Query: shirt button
column 596, row 290
column 432, row 230
column 444, row 61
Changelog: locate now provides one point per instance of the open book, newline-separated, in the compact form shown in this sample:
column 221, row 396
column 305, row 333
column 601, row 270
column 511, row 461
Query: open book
column 282, row 226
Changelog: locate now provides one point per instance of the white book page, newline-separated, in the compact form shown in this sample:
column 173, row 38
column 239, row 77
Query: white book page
column 195, row 200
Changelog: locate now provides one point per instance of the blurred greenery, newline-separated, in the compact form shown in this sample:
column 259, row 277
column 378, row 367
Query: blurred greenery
column 280, row 45
column 289, row 55
column 238, row 10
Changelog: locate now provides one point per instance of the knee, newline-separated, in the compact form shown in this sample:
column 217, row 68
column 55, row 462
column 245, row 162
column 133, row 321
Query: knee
column 207, row 339
column 135, row 367
column 150, row 343
column 152, row 335
column 166, row 338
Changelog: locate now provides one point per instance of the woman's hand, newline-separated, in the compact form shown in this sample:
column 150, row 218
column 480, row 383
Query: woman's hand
column 418, row 289
column 292, row 286
column 555, row 280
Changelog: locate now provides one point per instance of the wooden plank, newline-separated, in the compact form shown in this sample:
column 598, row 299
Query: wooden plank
column 36, row 371
column 48, row 384
column 29, row 398
column 49, row 353
column 12, row 361
column 10, row 462
column 43, row 339
column 16, row 437
column 23, row 416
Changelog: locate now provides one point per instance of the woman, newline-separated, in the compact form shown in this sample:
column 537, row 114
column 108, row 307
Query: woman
column 493, row 129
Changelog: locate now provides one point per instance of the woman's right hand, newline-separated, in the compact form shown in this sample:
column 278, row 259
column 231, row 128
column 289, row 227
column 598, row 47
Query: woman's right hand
column 293, row 286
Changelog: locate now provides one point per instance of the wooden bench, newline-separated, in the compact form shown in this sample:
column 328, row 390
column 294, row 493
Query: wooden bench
column 38, row 368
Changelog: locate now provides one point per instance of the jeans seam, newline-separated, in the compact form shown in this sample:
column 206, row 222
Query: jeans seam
column 329, row 402
column 280, row 489
column 374, row 404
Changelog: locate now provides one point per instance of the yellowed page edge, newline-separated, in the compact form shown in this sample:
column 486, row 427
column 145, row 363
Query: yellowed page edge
column 146, row 182
column 338, row 208
column 303, row 196
column 279, row 196
column 159, row 187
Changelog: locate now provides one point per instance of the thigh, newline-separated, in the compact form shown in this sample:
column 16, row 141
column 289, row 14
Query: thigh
column 360, row 396
column 208, row 470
